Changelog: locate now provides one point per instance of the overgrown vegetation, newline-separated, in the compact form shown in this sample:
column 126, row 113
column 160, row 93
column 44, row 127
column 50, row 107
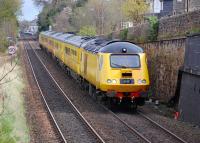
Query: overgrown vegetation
column 13, row 127
column 9, row 9
column 124, row 34
column 194, row 31
column 153, row 29
column 105, row 16
column 87, row 31
column 135, row 10
column 46, row 17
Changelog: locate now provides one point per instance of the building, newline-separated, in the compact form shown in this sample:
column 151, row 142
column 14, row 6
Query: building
column 173, row 7
column 166, row 8
column 33, row 27
column 194, row 5
column 154, row 6
column 127, row 24
column 182, row 6
column 29, row 26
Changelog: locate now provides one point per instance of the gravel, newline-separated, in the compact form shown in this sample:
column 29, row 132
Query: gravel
column 146, row 128
column 73, row 129
column 186, row 131
column 40, row 126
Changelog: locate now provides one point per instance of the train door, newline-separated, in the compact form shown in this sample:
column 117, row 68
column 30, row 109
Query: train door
column 85, row 64
column 98, row 71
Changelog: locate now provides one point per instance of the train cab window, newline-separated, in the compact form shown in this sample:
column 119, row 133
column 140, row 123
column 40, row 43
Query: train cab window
column 124, row 61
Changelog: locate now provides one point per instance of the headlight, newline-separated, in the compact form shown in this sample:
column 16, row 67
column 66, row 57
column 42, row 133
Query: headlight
column 114, row 81
column 140, row 81
column 109, row 81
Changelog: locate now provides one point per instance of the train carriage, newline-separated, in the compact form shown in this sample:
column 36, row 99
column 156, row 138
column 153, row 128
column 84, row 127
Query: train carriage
column 113, row 69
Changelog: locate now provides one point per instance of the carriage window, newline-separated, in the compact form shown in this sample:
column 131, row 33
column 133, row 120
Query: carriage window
column 67, row 51
column 73, row 52
column 56, row 45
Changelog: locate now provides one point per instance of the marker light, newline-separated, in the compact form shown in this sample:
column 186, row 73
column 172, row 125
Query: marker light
column 124, row 50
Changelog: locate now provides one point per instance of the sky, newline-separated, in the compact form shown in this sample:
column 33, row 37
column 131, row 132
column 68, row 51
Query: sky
column 29, row 10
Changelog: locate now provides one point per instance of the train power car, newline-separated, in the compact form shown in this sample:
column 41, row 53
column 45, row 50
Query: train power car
column 116, row 70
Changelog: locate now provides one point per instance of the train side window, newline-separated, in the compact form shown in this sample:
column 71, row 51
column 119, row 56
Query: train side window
column 100, row 62
column 73, row 52
column 56, row 45
column 67, row 51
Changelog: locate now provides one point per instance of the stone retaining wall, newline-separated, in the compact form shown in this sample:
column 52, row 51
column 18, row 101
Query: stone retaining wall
column 179, row 26
column 164, row 60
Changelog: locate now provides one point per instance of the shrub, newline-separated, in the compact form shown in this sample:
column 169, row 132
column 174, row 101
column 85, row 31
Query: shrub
column 87, row 31
column 153, row 29
column 124, row 34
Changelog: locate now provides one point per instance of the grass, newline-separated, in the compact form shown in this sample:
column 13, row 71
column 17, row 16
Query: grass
column 3, row 50
column 13, row 125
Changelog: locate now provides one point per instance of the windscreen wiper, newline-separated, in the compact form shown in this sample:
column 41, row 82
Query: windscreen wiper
column 119, row 66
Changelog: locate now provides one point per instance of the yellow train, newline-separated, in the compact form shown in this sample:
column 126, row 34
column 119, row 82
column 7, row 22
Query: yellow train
column 116, row 70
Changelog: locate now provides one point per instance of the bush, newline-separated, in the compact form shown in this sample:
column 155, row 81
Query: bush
column 194, row 31
column 87, row 31
column 123, row 34
column 153, row 30
column 3, row 45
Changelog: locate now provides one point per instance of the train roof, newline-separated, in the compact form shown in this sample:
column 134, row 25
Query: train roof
column 112, row 46
column 95, row 44
column 69, row 38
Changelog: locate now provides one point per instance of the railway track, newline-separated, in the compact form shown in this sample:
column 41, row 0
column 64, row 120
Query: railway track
column 69, row 122
column 148, row 129
column 170, row 137
column 177, row 138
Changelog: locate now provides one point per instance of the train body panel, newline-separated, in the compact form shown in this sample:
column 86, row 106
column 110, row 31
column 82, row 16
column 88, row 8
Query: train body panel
column 72, row 57
column 89, row 67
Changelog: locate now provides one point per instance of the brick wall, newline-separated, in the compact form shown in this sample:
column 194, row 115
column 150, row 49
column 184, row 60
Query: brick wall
column 164, row 60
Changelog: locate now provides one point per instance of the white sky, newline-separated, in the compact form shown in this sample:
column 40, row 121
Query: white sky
column 29, row 10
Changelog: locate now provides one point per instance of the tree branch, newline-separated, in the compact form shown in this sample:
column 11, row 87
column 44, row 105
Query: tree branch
column 4, row 76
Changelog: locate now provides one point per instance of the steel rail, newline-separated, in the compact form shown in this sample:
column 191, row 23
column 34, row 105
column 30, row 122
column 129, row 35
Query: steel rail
column 47, row 106
column 124, row 123
column 161, row 127
column 71, row 103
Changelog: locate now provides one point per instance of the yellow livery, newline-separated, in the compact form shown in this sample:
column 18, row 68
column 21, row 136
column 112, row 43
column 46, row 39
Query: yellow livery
column 116, row 70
